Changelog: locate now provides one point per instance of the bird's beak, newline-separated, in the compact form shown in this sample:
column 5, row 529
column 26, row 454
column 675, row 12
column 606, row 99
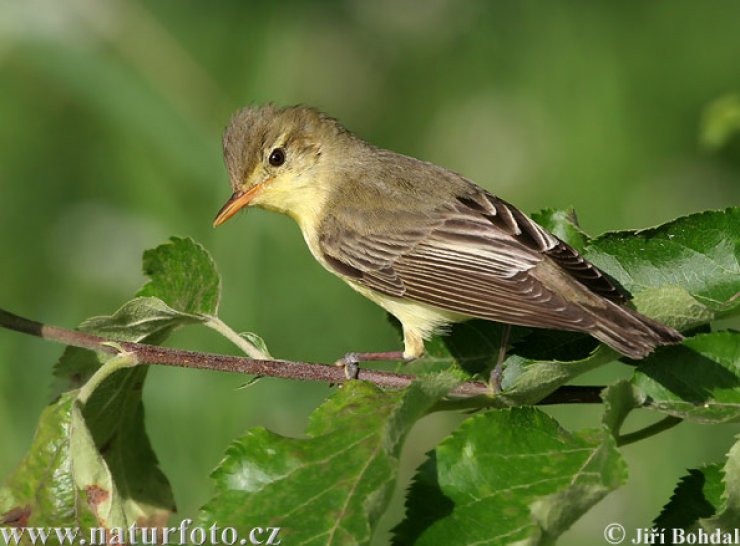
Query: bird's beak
column 237, row 201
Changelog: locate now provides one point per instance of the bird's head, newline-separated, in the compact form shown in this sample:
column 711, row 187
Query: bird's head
column 275, row 158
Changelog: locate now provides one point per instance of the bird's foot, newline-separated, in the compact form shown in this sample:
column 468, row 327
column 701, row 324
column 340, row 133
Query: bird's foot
column 351, row 365
column 351, row 361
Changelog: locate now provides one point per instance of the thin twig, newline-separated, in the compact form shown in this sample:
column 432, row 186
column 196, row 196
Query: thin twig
column 304, row 371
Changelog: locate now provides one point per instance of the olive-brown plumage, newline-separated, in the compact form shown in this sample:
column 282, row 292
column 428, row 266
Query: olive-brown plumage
column 425, row 243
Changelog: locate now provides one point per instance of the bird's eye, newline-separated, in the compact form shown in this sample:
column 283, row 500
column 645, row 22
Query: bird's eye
column 277, row 157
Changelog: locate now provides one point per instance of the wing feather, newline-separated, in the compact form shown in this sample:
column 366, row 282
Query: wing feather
column 476, row 257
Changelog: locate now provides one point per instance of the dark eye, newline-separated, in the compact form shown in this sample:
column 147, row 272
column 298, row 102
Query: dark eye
column 277, row 157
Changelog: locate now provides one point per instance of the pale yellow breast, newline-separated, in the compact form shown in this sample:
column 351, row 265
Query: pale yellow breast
column 421, row 318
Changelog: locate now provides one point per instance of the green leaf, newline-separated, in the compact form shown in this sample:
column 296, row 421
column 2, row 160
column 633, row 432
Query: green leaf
column 684, row 273
column 112, row 450
column 184, row 276
column 331, row 487
column 620, row 399
column 115, row 418
column 144, row 320
column 728, row 512
column 138, row 320
column 472, row 348
column 41, row 490
column 696, row 496
column 528, row 381
column 184, row 288
column 69, row 479
column 114, row 413
column 509, row 476
column 699, row 380
column 706, row 498
column 182, row 273
column 92, row 477
column 257, row 342
column 107, row 440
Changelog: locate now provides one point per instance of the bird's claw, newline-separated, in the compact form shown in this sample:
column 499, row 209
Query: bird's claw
column 351, row 365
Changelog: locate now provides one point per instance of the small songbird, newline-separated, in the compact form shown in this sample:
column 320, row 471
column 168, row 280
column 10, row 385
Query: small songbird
column 425, row 243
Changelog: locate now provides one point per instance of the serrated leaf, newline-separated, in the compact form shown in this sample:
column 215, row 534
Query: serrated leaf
column 184, row 288
column 509, row 476
column 683, row 273
column 182, row 272
column 708, row 498
column 331, row 487
column 696, row 496
column 728, row 511
column 184, row 276
column 699, row 380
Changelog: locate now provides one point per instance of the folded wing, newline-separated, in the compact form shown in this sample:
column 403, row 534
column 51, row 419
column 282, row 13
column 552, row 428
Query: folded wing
column 478, row 256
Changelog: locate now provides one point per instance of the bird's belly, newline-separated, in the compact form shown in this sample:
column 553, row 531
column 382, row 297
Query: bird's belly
column 420, row 318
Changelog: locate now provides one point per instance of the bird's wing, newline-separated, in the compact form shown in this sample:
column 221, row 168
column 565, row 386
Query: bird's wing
column 476, row 256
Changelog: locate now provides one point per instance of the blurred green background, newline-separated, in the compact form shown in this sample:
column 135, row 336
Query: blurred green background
column 110, row 123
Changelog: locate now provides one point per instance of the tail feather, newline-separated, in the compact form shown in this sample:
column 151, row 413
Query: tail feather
column 631, row 333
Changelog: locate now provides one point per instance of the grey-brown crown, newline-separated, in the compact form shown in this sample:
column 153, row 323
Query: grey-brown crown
column 255, row 127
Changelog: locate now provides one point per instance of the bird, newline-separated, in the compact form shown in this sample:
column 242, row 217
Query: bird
column 425, row 243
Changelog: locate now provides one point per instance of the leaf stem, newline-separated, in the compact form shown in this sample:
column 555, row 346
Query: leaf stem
column 650, row 430
column 120, row 361
column 225, row 330
column 304, row 371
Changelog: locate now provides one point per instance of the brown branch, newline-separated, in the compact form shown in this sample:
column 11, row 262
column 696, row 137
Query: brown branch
column 304, row 371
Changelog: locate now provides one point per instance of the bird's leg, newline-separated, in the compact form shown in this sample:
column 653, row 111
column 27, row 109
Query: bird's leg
column 350, row 361
column 497, row 373
column 413, row 348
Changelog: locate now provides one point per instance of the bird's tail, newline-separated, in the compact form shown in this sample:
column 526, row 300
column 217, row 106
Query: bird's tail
column 631, row 333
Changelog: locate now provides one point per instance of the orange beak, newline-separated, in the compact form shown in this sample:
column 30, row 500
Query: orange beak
column 235, row 203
